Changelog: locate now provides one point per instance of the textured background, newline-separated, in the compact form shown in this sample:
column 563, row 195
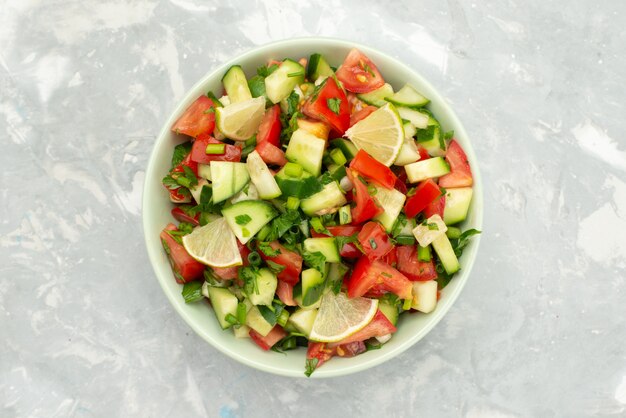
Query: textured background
column 538, row 331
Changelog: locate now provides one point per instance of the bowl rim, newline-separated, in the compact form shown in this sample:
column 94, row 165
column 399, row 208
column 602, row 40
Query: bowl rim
column 384, row 355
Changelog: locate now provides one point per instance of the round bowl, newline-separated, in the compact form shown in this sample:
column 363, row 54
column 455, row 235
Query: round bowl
column 156, row 214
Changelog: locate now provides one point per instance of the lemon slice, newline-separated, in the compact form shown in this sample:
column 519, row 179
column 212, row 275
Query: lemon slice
column 380, row 134
column 339, row 317
column 241, row 120
column 213, row 244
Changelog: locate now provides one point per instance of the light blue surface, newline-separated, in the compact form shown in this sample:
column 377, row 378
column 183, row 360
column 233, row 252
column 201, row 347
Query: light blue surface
column 538, row 331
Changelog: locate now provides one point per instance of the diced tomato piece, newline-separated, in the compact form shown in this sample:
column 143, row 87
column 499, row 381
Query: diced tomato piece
column 324, row 351
column 362, row 114
column 197, row 119
column 460, row 174
column 271, row 154
column 373, row 170
column 351, row 349
column 378, row 327
column 366, row 205
column 185, row 267
column 199, row 155
column 358, row 73
column 187, row 161
column 181, row 216
column 423, row 153
column 401, row 181
column 391, row 258
column 317, row 106
column 411, row 267
column 367, row 274
column 269, row 130
column 275, row 335
column 436, row 207
column 348, row 250
column 374, row 240
column 425, row 193
column 284, row 291
column 177, row 197
column 291, row 260
column 226, row 273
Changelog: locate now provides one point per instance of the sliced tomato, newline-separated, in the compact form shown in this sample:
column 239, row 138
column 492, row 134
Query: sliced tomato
column 425, row 193
column 187, row 161
column 348, row 250
column 317, row 106
column 177, row 197
column 423, row 153
column 271, row 154
column 185, row 267
column 460, row 174
column 378, row 327
column 199, row 155
column 324, row 351
column 391, row 258
column 226, row 273
column 362, row 114
column 435, row 207
column 197, row 119
column 275, row 335
column 411, row 267
column 366, row 205
column 181, row 216
column 367, row 274
column 269, row 130
column 291, row 260
column 359, row 74
column 374, row 240
column 284, row 291
column 373, row 170
column 401, row 181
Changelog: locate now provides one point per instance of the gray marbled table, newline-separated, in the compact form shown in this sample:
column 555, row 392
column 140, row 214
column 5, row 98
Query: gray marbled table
column 539, row 330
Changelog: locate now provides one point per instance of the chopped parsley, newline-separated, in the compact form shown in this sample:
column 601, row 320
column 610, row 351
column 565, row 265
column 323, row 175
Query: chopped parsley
column 334, row 104
column 243, row 219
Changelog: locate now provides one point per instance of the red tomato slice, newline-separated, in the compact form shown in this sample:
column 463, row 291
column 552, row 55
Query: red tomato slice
column 411, row 267
column 271, row 154
column 348, row 250
column 367, row 274
column 378, row 327
column 197, row 119
column 362, row 114
column 425, row 193
column 359, row 74
column 460, row 174
column 290, row 259
column 269, row 130
column 181, row 216
column 366, row 205
column 423, row 153
column 189, row 162
column 391, row 258
column 226, row 273
column 324, row 352
column 177, row 197
column 435, row 207
column 199, row 155
column 373, row 170
column 317, row 106
column 185, row 267
column 374, row 240
column 275, row 335
column 284, row 291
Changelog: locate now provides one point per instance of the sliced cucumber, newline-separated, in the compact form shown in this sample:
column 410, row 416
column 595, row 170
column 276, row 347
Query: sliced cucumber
column 326, row 246
column 424, row 296
column 409, row 130
column 281, row 82
column 317, row 67
column 224, row 303
column 429, row 230
column 303, row 320
column 228, row 179
column 261, row 177
column 336, row 172
column 431, row 140
column 408, row 153
column 313, row 284
column 390, row 311
column 417, row 118
column 204, row 171
column 307, row 89
column 307, row 150
column 426, row 169
column 319, row 129
column 256, row 321
column 264, row 288
column 392, row 202
column 249, row 192
column 348, row 149
column 248, row 217
column 378, row 96
column 236, row 85
column 446, row 254
column 242, row 331
column 326, row 201
column 345, row 215
column 301, row 186
column 409, row 97
column 457, row 204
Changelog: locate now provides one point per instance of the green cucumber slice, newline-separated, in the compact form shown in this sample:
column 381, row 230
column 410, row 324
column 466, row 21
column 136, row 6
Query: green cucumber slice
column 302, row 186
column 377, row 97
column 446, row 255
column 248, row 217
column 317, row 66
column 457, row 204
column 303, row 320
column 326, row 201
column 266, row 284
column 417, row 118
column 224, row 303
column 392, row 202
column 228, row 178
column 347, row 148
column 256, row 321
column 261, row 177
column 236, row 85
column 313, row 284
column 426, row 169
column 326, row 246
column 282, row 81
column 390, row 311
column 407, row 96
column 307, row 150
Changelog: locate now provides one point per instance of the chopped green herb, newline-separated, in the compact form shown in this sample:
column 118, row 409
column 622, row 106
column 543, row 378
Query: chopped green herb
column 192, row 291
column 249, row 277
column 264, row 71
column 432, row 226
column 275, row 267
column 318, row 226
column 267, row 249
column 271, row 313
column 180, row 152
column 334, row 104
column 315, row 260
column 311, row 364
column 242, row 219
column 448, row 135
column 372, row 346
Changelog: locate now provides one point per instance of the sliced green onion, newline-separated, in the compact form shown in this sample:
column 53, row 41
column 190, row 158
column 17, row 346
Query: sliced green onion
column 289, row 343
column 282, row 318
column 407, row 304
column 338, row 157
column 263, row 233
column 423, row 253
column 405, row 240
column 254, row 258
column 294, row 230
column 453, row 232
column 345, row 215
column 231, row 319
column 215, row 148
column 293, row 169
column 293, row 203
column 241, row 312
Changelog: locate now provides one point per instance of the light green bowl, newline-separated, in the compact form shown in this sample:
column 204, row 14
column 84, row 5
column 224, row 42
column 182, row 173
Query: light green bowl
column 156, row 214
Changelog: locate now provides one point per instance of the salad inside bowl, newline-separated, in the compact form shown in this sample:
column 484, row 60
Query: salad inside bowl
column 312, row 197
